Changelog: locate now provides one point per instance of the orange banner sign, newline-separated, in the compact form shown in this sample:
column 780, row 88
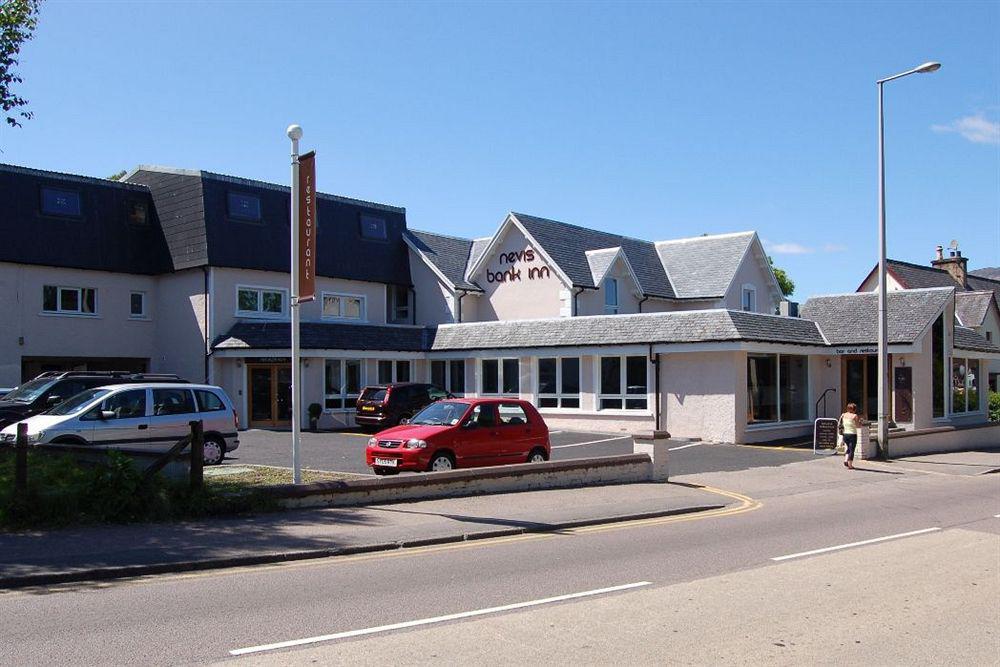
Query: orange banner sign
column 307, row 227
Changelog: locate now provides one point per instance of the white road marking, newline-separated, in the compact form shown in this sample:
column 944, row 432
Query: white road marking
column 856, row 544
column 693, row 444
column 436, row 619
column 591, row 442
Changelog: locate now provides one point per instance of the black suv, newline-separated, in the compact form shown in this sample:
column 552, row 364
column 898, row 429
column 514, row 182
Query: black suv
column 386, row 405
column 54, row 387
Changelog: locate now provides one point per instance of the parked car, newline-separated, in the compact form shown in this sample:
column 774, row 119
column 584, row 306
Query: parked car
column 388, row 404
column 462, row 433
column 52, row 388
column 150, row 415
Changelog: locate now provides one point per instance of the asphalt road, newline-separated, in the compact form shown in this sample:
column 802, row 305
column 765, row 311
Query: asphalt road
column 200, row 618
column 345, row 451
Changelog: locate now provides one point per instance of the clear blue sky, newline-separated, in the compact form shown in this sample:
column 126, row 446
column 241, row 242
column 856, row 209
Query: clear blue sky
column 653, row 120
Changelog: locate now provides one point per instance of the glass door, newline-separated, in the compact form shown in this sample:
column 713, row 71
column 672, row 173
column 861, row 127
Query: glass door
column 270, row 390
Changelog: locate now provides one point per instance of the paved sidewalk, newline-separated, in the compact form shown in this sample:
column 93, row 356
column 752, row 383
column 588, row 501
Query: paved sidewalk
column 98, row 552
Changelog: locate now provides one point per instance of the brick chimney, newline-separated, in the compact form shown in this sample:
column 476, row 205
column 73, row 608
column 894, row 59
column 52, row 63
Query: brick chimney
column 954, row 264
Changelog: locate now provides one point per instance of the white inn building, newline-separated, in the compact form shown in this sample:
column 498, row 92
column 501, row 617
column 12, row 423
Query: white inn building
column 184, row 271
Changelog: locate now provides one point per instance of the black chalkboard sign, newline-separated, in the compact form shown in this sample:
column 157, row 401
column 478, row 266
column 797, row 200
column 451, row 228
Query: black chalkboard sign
column 825, row 434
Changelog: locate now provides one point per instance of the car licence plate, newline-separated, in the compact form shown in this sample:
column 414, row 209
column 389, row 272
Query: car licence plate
column 387, row 463
column 367, row 408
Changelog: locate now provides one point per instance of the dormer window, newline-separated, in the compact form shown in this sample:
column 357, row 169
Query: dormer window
column 243, row 207
column 63, row 203
column 373, row 228
column 749, row 302
column 611, row 296
column 138, row 214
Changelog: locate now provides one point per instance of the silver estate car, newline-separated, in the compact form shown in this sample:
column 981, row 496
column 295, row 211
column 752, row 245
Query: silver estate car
column 138, row 415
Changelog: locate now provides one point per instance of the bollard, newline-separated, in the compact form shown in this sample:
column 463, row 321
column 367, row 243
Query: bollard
column 197, row 455
column 655, row 444
column 21, row 461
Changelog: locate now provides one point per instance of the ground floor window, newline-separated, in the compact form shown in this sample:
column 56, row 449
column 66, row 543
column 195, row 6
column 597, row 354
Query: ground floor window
column 449, row 375
column 343, row 381
column 559, row 382
column 777, row 388
column 964, row 385
column 500, row 377
column 393, row 371
column 623, row 383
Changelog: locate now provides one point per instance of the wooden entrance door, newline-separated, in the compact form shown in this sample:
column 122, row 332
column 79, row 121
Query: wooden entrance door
column 270, row 390
column 859, row 379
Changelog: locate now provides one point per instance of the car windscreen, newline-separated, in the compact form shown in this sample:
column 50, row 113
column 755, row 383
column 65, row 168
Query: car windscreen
column 79, row 402
column 374, row 394
column 442, row 413
column 29, row 391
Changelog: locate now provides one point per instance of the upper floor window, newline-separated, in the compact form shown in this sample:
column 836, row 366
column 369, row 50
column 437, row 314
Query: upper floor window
column 611, row 296
column 398, row 304
column 137, row 305
column 373, row 228
column 989, row 336
column 343, row 306
column 138, row 212
column 260, row 302
column 749, row 301
column 65, row 203
column 69, row 300
column 243, row 207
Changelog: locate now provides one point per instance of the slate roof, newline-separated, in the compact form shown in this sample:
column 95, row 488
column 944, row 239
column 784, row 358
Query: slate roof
column 991, row 272
column 600, row 262
column 852, row 319
column 675, row 327
column 449, row 254
column 567, row 245
column 967, row 339
column 704, row 266
column 971, row 307
column 323, row 336
column 917, row 276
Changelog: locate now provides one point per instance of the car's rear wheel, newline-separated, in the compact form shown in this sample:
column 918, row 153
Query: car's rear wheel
column 215, row 451
column 537, row 455
column 441, row 463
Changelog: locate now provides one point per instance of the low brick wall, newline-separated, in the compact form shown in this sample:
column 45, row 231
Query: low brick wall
column 623, row 469
column 944, row 439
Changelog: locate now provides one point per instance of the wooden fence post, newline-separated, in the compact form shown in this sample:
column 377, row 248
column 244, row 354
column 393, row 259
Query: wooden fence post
column 197, row 455
column 21, row 461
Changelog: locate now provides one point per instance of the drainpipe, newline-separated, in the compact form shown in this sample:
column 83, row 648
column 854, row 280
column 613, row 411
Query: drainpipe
column 208, row 350
column 413, row 302
column 643, row 300
column 458, row 306
column 655, row 360
column 576, row 294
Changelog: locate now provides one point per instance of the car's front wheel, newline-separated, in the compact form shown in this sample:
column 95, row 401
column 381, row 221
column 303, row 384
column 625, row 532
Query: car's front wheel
column 214, row 451
column 441, row 463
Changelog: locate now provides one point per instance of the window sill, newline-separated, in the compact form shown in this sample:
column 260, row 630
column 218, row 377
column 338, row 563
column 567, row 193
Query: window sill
column 622, row 413
column 89, row 316
column 347, row 320
column 140, row 318
column 261, row 316
column 763, row 426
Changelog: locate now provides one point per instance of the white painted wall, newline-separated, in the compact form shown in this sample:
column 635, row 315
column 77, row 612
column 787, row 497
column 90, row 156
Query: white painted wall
column 751, row 272
column 591, row 302
column 435, row 300
column 700, row 392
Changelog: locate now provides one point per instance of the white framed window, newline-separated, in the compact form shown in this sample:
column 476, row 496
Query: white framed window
column 624, row 383
column 559, row 382
column 344, row 307
column 398, row 304
column 500, row 377
column 137, row 305
column 611, row 296
column 390, row 371
column 342, row 383
column 777, row 388
column 965, row 386
column 261, row 302
column 749, row 298
column 69, row 300
column 449, row 375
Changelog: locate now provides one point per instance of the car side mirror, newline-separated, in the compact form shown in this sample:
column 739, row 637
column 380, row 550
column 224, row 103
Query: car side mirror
column 107, row 414
column 404, row 420
column 53, row 400
column 470, row 424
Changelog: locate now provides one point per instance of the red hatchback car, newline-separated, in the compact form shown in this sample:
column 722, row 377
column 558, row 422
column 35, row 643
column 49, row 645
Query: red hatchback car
column 462, row 433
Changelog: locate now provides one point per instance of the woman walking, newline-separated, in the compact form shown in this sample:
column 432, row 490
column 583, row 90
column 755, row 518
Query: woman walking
column 849, row 423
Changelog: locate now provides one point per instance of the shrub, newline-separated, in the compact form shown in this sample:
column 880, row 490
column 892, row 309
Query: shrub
column 994, row 406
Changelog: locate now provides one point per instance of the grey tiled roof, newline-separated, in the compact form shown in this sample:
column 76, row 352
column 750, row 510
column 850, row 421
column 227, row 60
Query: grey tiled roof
column 980, row 284
column 323, row 336
column 703, row 267
column 967, row 339
column 992, row 272
column 674, row 327
column 479, row 246
column 971, row 307
column 600, row 261
column 567, row 246
column 916, row 276
column 448, row 253
column 851, row 319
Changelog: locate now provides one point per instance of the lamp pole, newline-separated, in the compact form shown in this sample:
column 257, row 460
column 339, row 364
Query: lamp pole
column 883, row 323
column 294, row 133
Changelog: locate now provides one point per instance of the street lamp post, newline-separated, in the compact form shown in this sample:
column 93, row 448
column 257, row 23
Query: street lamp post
column 883, row 324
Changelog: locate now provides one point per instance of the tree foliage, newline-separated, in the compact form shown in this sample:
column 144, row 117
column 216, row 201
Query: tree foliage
column 117, row 176
column 18, row 19
column 784, row 282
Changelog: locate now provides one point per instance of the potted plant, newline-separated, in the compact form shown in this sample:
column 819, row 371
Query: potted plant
column 315, row 410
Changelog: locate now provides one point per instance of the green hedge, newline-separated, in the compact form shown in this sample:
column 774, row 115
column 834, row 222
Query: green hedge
column 994, row 406
column 62, row 492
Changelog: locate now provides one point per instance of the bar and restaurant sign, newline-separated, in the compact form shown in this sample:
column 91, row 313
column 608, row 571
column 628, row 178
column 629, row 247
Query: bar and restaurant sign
column 307, row 227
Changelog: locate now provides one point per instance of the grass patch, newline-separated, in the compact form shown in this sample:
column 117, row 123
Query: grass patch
column 245, row 477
